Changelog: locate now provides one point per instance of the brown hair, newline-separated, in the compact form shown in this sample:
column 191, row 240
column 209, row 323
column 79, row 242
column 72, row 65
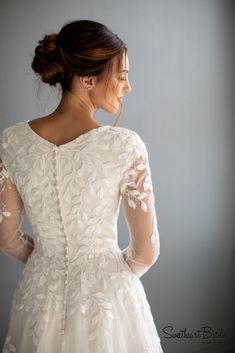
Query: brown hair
column 82, row 47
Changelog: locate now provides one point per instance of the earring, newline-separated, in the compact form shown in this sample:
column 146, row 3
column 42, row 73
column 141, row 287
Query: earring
column 89, row 88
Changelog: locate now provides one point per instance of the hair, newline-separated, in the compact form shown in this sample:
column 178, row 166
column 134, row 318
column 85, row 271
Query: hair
column 82, row 48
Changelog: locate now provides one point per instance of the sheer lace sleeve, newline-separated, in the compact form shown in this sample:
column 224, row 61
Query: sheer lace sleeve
column 13, row 242
column 139, row 209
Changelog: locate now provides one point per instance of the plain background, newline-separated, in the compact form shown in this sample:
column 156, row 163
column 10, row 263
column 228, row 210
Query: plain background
column 181, row 55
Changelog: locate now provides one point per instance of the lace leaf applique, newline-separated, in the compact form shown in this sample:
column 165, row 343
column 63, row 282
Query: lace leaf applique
column 13, row 241
column 140, row 214
column 9, row 347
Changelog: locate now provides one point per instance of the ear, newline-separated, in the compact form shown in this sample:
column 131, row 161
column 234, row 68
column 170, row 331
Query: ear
column 87, row 81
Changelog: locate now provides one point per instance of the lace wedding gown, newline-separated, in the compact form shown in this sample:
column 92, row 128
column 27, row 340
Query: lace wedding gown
column 78, row 291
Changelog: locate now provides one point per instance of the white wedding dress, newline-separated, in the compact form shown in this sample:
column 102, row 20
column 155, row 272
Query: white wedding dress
column 78, row 291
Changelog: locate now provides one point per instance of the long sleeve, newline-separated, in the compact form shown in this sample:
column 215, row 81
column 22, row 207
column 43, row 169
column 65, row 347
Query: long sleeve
column 140, row 214
column 13, row 241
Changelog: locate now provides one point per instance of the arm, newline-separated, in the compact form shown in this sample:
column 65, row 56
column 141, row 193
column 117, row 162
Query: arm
column 13, row 241
column 140, row 215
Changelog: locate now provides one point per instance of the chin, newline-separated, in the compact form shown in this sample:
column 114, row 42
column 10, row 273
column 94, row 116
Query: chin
column 111, row 109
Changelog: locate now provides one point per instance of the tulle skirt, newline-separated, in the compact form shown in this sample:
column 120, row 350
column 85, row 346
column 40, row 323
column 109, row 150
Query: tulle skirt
column 111, row 316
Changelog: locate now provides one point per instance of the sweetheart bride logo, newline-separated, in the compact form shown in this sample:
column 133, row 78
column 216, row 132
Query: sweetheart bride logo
column 206, row 333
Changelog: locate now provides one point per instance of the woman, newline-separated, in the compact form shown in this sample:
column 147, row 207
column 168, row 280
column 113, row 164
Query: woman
column 79, row 292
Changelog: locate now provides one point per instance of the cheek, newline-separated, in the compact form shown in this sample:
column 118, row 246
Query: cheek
column 114, row 88
column 115, row 85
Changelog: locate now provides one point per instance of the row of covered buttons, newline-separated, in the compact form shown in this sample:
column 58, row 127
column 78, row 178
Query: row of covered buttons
column 66, row 248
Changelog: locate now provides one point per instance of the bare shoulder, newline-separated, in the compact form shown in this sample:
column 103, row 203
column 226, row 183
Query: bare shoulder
column 40, row 123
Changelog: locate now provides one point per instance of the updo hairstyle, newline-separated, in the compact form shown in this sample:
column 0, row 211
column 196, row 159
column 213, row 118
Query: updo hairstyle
column 80, row 48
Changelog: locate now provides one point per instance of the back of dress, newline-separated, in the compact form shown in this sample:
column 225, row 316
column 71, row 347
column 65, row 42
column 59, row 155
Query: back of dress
column 75, row 274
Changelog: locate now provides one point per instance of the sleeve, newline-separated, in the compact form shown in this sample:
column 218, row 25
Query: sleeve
column 13, row 241
column 139, row 210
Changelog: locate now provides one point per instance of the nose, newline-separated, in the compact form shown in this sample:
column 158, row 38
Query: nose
column 128, row 87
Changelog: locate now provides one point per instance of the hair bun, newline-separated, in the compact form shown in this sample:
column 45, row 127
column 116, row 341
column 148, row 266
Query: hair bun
column 47, row 61
column 48, row 43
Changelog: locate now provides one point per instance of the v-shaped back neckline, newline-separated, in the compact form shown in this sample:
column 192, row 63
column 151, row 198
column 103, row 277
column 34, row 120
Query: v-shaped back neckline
column 76, row 139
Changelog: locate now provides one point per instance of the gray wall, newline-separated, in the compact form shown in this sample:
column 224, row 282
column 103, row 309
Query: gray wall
column 182, row 75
